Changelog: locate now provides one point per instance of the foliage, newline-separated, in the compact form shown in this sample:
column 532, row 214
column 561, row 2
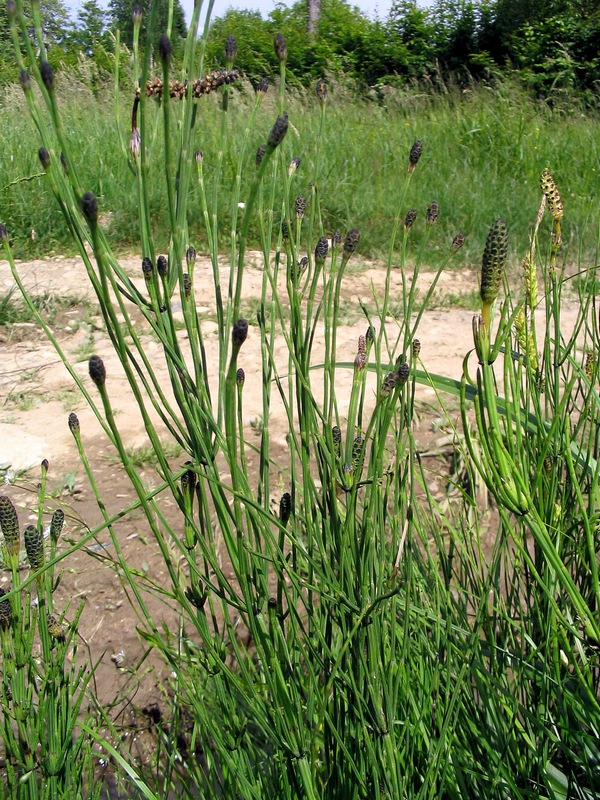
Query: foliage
column 91, row 31
column 501, row 133
column 121, row 16
column 553, row 44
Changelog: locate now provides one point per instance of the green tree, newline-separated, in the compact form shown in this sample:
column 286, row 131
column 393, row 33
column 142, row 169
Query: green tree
column 555, row 44
column 56, row 22
column 91, row 27
column 121, row 16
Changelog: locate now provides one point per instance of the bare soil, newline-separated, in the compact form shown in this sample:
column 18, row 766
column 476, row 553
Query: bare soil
column 37, row 394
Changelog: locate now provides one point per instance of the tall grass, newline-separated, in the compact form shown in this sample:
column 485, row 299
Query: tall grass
column 342, row 634
column 491, row 145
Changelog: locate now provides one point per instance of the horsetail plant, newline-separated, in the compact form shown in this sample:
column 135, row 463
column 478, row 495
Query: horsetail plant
column 43, row 690
column 340, row 631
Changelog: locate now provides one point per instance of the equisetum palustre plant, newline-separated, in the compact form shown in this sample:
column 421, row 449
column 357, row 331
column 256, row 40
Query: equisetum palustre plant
column 341, row 635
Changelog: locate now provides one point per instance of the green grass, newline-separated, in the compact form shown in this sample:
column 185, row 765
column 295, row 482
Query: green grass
column 145, row 456
column 13, row 309
column 483, row 153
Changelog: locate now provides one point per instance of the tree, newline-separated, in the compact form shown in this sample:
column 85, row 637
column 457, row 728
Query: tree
column 91, row 27
column 121, row 15
column 56, row 22
column 314, row 12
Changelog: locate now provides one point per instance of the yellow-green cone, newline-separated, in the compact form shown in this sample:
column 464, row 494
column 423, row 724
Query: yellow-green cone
column 492, row 267
column 550, row 189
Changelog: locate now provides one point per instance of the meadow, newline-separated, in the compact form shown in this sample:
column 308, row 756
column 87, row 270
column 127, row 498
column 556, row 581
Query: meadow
column 490, row 144
column 340, row 630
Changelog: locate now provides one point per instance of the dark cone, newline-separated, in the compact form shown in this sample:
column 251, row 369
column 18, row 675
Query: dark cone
column 351, row 241
column 6, row 615
column 190, row 257
column 240, row 332
column 44, row 157
column 403, row 372
column 56, row 524
column 188, row 483
column 25, row 80
column 165, row 48
column 240, row 377
column 321, row 250
column 97, row 370
column 89, row 206
column 73, row 422
column 414, row 155
column 47, row 74
column 433, row 212
column 262, row 87
column 360, row 362
column 337, row 438
column 34, row 546
column 336, row 239
column 147, row 268
column 280, row 48
column 409, row 219
column 3, row 233
column 300, row 206
column 187, row 285
column 260, row 154
column 285, row 508
column 416, row 348
column 389, row 383
column 162, row 266
column 458, row 241
column 9, row 524
column 230, row 48
column 278, row 131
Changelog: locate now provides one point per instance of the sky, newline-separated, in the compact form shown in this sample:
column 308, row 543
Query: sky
column 372, row 8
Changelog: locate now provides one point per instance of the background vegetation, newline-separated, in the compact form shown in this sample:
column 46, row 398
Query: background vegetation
column 493, row 87
column 488, row 147
column 552, row 46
